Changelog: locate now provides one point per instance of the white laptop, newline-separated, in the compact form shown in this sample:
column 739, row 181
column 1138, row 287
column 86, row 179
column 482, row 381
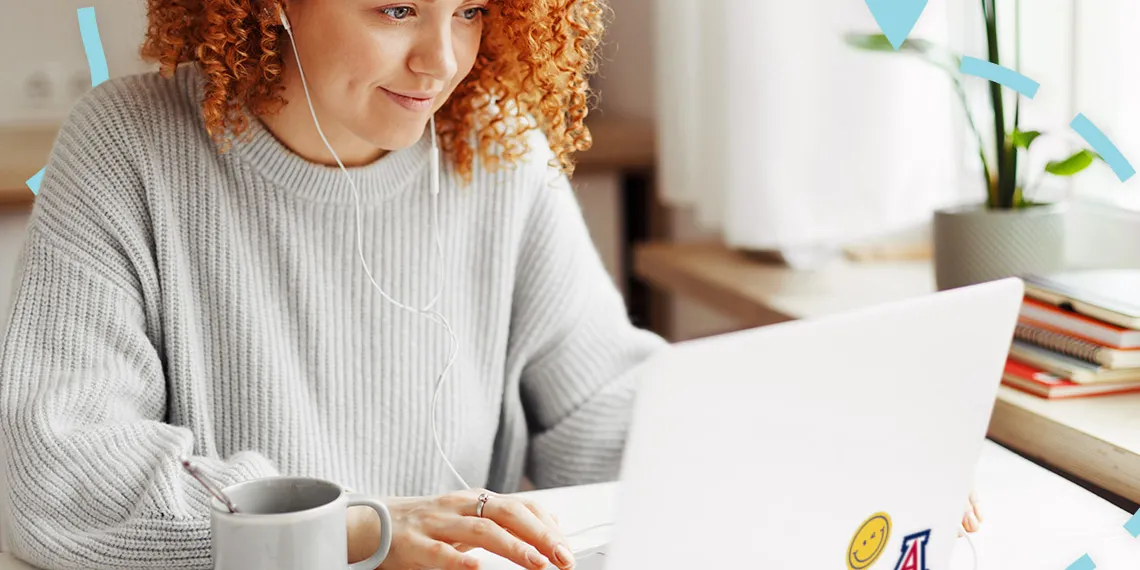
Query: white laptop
column 841, row 442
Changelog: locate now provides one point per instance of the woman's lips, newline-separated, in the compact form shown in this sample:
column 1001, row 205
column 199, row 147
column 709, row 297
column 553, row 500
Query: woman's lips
column 411, row 101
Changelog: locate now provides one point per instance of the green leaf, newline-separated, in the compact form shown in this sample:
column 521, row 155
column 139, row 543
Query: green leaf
column 870, row 42
column 1072, row 165
column 925, row 50
column 879, row 42
column 1022, row 139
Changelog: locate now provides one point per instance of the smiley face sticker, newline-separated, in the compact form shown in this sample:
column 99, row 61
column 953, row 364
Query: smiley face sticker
column 869, row 541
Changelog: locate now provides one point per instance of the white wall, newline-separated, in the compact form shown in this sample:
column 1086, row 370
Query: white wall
column 41, row 38
column 1102, row 236
column 624, row 82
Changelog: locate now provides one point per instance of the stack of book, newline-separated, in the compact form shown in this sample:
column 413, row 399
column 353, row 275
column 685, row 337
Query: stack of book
column 1078, row 335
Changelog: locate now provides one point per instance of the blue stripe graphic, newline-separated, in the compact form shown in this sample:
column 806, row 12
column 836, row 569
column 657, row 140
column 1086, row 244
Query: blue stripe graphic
column 96, row 59
column 1000, row 75
column 1103, row 147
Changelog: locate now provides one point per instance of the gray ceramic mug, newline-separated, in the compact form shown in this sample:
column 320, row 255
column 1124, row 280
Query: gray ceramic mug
column 290, row 523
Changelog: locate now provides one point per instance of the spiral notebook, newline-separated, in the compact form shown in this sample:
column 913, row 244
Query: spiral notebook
column 1075, row 369
column 1075, row 347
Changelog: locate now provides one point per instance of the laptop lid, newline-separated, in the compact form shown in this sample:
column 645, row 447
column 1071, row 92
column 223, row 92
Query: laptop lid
column 849, row 440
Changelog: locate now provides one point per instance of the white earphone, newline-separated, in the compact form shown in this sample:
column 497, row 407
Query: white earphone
column 284, row 20
column 427, row 311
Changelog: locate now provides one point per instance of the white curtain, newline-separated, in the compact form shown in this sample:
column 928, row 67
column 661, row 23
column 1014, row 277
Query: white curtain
column 782, row 137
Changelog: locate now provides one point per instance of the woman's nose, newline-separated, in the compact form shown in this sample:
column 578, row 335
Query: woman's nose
column 434, row 55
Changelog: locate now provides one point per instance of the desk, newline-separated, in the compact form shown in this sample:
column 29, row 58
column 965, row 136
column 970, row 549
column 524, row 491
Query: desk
column 1034, row 519
column 1095, row 439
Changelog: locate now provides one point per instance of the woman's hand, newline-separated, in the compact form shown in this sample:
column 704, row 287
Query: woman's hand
column 972, row 520
column 436, row 532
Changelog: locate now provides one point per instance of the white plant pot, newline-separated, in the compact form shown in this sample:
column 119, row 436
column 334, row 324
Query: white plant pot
column 973, row 244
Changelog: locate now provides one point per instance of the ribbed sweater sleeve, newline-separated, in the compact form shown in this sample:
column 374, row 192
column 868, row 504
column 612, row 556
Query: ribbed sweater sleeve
column 90, row 466
column 583, row 355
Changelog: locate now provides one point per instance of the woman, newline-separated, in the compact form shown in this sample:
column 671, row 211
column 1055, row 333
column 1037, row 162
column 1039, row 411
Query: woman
column 198, row 281
column 194, row 283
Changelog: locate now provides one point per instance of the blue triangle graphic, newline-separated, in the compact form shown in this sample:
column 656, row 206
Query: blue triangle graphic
column 896, row 17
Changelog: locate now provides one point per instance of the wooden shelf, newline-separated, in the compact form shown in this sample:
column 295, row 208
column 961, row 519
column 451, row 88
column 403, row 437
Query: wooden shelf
column 758, row 293
column 619, row 144
column 1094, row 439
column 23, row 152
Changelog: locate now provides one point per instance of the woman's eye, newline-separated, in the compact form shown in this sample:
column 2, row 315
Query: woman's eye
column 473, row 13
column 397, row 12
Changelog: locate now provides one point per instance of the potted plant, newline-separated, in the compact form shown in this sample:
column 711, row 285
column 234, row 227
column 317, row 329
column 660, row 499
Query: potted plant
column 1009, row 234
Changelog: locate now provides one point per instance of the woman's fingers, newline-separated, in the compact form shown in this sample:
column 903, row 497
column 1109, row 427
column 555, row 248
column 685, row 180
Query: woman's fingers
column 547, row 518
column 518, row 519
column 436, row 554
column 487, row 534
column 976, row 505
column 969, row 522
column 972, row 519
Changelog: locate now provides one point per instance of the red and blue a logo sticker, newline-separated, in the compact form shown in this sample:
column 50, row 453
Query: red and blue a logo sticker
column 913, row 556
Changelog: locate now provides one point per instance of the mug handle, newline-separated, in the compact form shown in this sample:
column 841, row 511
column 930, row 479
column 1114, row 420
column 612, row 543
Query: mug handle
column 358, row 500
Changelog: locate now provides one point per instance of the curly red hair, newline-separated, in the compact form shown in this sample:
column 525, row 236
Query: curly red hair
column 534, row 61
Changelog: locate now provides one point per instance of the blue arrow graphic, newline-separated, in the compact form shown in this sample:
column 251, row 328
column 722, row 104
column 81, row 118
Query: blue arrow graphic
column 34, row 182
column 1082, row 563
column 1133, row 525
column 896, row 17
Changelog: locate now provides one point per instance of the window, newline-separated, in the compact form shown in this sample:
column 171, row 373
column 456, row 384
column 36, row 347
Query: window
column 1086, row 56
column 1107, row 84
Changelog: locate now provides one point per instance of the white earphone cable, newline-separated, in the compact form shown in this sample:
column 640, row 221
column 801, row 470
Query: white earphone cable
column 973, row 549
column 428, row 310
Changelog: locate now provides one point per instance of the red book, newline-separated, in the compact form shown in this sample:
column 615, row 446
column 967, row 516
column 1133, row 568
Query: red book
column 1045, row 385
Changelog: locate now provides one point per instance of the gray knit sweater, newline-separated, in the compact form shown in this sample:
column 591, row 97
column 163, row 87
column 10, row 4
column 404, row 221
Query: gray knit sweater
column 175, row 300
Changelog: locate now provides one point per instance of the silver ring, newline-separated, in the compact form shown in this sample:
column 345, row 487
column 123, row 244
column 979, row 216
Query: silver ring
column 482, row 501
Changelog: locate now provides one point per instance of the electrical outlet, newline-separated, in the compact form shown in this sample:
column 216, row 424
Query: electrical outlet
column 39, row 90
column 80, row 84
column 45, row 88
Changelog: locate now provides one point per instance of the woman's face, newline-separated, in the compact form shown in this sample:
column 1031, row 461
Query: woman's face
column 378, row 69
